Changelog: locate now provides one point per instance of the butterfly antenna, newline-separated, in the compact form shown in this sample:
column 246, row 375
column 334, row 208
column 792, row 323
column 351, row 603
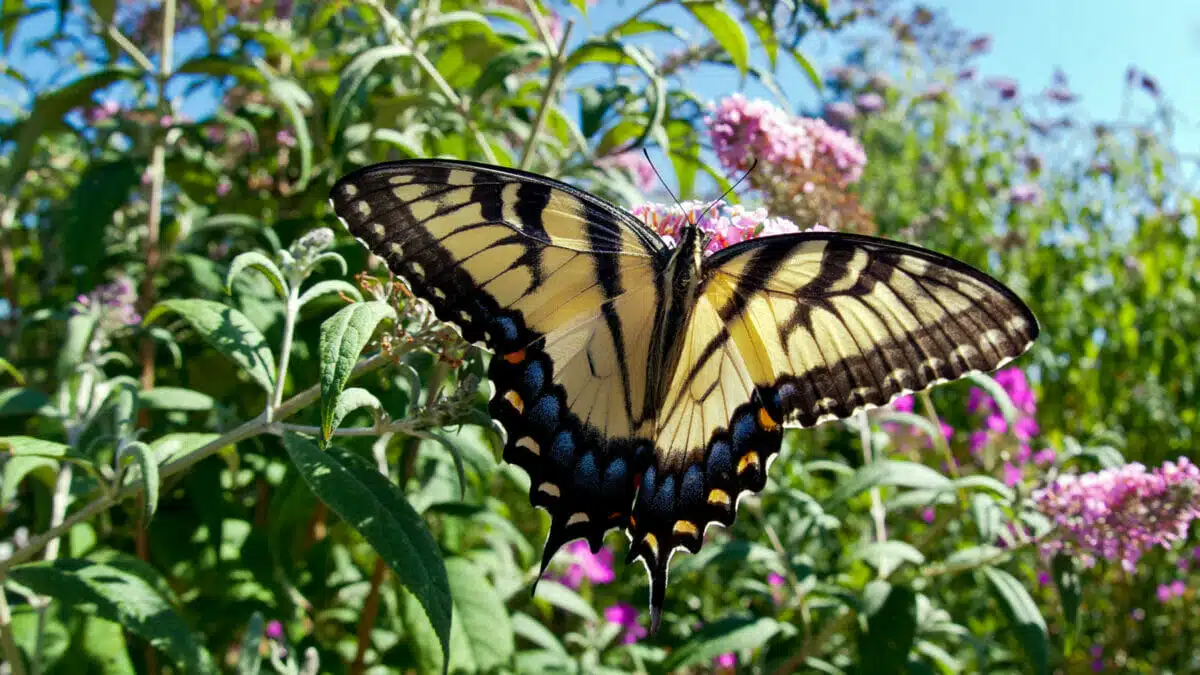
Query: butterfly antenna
column 726, row 193
column 661, row 180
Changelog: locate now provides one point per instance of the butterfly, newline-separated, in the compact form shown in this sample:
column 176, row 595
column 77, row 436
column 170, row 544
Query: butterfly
column 644, row 386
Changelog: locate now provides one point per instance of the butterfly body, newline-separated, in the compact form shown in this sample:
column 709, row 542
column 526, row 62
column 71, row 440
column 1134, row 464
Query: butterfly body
column 646, row 387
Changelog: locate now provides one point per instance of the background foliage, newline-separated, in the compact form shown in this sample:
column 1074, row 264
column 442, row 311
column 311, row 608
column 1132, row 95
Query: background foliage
column 180, row 341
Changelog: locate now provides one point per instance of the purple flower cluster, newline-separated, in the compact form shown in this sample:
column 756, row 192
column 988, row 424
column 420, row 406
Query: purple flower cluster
column 724, row 224
column 1024, row 427
column 907, row 404
column 1175, row 589
column 114, row 302
column 744, row 129
column 636, row 164
column 1118, row 514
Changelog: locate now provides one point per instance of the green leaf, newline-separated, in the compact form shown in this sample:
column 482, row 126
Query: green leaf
column 105, row 651
column 507, row 63
column 329, row 286
column 891, row 628
column 734, row 634
column 343, row 337
column 766, row 35
column 353, row 77
column 175, row 398
column 222, row 66
column 79, row 334
column 250, row 661
column 378, row 511
column 228, row 331
column 146, row 460
column 17, row 468
column 260, row 262
column 566, row 599
column 482, row 631
column 888, row 472
column 103, row 188
column 12, row 370
column 295, row 101
column 27, row 446
column 21, row 401
column 1027, row 619
column 173, row 446
column 457, row 455
column 886, row 556
column 118, row 595
column 531, row 629
column 1070, row 587
column 972, row 557
column 813, row 76
column 725, row 30
column 350, row 400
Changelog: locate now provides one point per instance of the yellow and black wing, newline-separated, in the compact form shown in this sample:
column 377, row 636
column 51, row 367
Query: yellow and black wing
column 804, row 328
column 562, row 286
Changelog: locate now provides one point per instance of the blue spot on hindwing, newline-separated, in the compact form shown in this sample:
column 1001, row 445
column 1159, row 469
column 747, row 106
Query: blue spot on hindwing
column 563, row 450
column 616, row 478
column 545, row 413
column 535, row 377
column 720, row 461
column 647, row 489
column 664, row 498
column 691, row 490
column 743, row 429
column 587, row 476
column 506, row 328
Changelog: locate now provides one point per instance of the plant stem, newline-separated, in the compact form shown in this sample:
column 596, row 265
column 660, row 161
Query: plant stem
column 11, row 653
column 1000, row 554
column 285, row 348
column 157, row 178
column 248, row 429
column 878, row 513
column 58, row 507
column 366, row 622
column 556, row 73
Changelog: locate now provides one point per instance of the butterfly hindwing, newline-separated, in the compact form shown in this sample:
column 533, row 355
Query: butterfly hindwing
column 562, row 287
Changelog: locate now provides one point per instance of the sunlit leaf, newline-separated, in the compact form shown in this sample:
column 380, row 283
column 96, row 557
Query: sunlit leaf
column 228, row 331
column 343, row 337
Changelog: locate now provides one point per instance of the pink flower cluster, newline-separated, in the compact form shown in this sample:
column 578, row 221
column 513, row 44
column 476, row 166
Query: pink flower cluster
column 1118, row 514
column 724, row 224
column 636, row 164
column 743, row 129
column 1024, row 428
column 906, row 404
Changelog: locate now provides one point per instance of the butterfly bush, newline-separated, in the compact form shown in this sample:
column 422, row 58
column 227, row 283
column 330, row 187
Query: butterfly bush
column 1119, row 514
column 804, row 165
column 724, row 224
column 996, row 430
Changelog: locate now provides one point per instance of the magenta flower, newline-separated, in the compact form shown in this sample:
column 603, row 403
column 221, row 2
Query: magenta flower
column 906, row 404
column 115, row 302
column 1043, row 578
column 1119, row 514
column 775, row 579
column 1044, row 457
column 596, row 568
column 928, row 514
column 286, row 138
column 727, row 660
column 725, row 225
column 625, row 614
column 1012, row 474
column 1178, row 588
column 1163, row 592
column 274, row 630
column 636, row 164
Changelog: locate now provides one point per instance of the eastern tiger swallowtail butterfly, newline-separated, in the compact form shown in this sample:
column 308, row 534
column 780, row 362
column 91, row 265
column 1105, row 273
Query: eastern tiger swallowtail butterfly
column 645, row 387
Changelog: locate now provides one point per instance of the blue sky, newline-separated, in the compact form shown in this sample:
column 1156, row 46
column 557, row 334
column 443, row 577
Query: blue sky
column 1093, row 41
